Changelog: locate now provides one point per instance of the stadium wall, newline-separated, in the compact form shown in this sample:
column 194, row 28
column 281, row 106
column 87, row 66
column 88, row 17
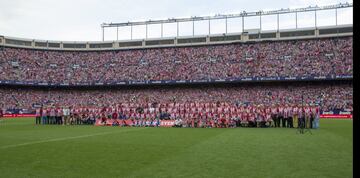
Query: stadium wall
column 177, row 82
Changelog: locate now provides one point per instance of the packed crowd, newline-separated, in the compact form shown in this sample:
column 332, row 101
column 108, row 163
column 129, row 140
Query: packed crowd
column 311, row 57
column 205, row 115
column 333, row 95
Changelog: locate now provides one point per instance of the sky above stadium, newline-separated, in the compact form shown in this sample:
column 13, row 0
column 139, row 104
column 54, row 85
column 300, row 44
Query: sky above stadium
column 79, row 20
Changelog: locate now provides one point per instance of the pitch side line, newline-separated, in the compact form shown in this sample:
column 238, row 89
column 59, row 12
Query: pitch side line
column 66, row 138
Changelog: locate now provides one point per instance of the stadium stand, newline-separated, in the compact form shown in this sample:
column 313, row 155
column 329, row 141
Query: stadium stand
column 319, row 57
column 310, row 57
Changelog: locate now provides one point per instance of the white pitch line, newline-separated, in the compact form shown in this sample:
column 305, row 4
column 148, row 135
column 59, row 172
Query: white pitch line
column 65, row 138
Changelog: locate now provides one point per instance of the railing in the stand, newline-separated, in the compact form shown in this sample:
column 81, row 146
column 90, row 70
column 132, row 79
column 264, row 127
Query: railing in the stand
column 170, row 82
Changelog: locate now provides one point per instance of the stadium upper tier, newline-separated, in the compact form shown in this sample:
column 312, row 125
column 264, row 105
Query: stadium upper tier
column 296, row 58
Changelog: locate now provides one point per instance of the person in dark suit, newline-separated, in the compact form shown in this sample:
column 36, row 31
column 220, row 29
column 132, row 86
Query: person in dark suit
column 302, row 119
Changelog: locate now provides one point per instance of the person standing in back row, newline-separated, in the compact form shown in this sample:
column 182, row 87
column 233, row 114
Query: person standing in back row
column 274, row 115
column 295, row 116
column 307, row 116
column 52, row 115
column 38, row 115
column 59, row 115
column 285, row 116
column 290, row 116
column 1, row 113
column 301, row 119
column 66, row 114
column 317, row 117
column 45, row 116
column 281, row 116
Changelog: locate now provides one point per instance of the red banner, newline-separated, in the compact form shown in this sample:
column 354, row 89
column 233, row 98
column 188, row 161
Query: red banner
column 167, row 123
column 109, row 122
column 336, row 116
column 19, row 115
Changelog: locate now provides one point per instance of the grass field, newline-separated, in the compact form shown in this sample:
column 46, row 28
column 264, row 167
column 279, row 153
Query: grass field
column 27, row 150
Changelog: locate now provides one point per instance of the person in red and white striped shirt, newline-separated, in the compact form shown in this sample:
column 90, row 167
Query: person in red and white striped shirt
column 274, row 115
column 290, row 116
column 285, row 116
column 307, row 116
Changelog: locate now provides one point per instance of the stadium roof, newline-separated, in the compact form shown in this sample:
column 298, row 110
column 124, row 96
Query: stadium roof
column 241, row 14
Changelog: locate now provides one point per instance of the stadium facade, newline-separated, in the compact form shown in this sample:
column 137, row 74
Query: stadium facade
column 288, row 34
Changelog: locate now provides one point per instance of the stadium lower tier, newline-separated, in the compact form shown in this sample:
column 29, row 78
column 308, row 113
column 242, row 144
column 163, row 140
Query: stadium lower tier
column 328, row 95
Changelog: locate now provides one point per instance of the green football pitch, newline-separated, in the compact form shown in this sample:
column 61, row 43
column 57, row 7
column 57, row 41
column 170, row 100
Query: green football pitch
column 28, row 150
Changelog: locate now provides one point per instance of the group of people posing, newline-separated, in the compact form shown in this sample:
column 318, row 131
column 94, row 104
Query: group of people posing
column 63, row 116
column 207, row 115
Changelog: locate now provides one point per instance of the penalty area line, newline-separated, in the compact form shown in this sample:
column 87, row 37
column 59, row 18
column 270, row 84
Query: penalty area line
column 65, row 138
